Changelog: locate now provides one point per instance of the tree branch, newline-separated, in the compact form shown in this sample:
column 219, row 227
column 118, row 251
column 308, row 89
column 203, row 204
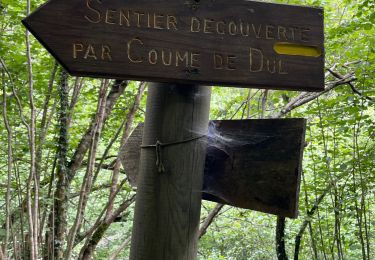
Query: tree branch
column 90, row 245
column 116, row 91
column 115, row 254
column 110, row 216
column 33, row 180
column 209, row 219
column 10, row 170
column 310, row 213
column 356, row 91
column 305, row 98
column 87, row 180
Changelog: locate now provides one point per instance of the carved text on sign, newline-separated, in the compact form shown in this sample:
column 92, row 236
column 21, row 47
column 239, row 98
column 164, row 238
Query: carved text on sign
column 143, row 19
column 237, row 43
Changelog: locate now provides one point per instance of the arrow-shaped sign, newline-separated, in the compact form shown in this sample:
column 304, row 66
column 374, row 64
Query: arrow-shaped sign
column 243, row 43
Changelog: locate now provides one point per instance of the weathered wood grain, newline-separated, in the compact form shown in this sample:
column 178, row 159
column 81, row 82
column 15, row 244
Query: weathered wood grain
column 256, row 164
column 253, row 164
column 167, row 210
column 216, row 42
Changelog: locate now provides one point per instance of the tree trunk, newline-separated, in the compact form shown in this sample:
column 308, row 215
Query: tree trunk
column 280, row 239
column 88, row 249
column 61, row 195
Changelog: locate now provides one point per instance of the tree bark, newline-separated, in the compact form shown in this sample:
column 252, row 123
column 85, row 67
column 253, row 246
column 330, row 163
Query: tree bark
column 167, row 210
column 61, row 195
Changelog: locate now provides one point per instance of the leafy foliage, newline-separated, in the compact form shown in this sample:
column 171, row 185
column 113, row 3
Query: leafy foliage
column 339, row 158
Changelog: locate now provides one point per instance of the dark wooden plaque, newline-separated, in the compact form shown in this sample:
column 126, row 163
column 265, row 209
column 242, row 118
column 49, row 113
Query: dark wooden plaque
column 234, row 43
column 252, row 164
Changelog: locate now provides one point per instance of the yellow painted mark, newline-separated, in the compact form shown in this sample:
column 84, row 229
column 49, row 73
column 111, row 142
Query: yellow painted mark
column 287, row 48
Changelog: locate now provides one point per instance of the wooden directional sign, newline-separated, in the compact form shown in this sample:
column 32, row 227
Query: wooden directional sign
column 221, row 42
column 253, row 164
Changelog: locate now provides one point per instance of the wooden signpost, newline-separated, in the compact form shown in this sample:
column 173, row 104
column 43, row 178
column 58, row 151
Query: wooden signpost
column 185, row 43
column 234, row 43
column 252, row 164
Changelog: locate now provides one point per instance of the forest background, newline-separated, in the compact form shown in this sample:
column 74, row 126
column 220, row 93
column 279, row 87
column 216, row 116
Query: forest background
column 64, row 193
